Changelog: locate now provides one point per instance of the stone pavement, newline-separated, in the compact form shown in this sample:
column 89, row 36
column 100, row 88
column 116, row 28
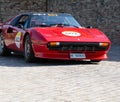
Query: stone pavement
column 60, row 81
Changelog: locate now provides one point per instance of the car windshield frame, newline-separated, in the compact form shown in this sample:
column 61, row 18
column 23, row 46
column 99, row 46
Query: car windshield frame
column 53, row 19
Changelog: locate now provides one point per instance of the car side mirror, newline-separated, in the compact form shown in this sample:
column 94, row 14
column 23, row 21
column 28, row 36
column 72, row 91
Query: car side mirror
column 89, row 26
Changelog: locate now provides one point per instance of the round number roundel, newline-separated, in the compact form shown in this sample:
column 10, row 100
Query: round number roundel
column 71, row 33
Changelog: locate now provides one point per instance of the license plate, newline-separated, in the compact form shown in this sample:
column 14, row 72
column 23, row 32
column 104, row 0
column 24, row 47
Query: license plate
column 77, row 55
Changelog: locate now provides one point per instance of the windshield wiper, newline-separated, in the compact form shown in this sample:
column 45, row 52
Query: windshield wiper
column 58, row 25
column 42, row 25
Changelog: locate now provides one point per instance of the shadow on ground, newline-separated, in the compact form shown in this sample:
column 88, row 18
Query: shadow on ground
column 18, row 61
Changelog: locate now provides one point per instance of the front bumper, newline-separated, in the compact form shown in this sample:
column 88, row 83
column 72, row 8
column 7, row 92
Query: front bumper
column 42, row 51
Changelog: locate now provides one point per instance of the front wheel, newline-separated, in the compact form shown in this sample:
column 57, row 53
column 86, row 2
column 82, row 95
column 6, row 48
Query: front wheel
column 28, row 51
column 3, row 49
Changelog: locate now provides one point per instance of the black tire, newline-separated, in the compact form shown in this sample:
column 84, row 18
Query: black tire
column 28, row 51
column 3, row 49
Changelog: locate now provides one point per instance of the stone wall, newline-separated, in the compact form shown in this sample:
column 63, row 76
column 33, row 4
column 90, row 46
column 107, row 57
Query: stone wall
column 9, row 8
column 103, row 14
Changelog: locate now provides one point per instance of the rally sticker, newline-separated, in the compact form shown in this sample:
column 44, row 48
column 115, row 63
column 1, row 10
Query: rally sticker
column 17, row 39
column 71, row 33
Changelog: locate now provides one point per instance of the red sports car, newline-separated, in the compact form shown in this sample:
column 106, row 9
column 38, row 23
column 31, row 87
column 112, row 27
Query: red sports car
column 52, row 36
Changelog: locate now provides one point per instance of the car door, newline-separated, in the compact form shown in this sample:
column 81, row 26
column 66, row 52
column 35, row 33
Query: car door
column 15, row 33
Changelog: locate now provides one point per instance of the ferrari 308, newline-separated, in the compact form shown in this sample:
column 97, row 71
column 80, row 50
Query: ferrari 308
column 52, row 36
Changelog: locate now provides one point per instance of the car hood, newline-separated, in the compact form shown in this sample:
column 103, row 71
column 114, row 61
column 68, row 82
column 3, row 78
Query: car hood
column 72, row 34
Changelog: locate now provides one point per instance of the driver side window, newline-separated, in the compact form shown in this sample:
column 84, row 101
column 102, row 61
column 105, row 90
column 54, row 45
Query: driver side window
column 22, row 22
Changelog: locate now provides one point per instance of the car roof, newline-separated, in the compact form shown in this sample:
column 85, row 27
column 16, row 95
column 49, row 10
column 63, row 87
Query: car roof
column 39, row 13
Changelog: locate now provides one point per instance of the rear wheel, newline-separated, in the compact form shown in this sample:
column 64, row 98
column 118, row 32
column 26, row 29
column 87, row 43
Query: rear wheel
column 3, row 49
column 28, row 51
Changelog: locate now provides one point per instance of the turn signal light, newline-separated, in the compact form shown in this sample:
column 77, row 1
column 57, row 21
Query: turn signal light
column 105, row 44
column 54, row 43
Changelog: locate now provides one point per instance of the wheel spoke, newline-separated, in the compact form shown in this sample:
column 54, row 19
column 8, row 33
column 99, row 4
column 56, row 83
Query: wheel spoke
column 27, row 48
column 4, row 51
column 1, row 43
column 28, row 52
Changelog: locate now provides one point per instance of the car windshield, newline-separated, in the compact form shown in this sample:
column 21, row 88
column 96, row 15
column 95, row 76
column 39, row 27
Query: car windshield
column 51, row 19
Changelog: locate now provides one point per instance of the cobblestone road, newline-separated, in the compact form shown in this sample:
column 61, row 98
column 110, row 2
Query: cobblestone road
column 60, row 81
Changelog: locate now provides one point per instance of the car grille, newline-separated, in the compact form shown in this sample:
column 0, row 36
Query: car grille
column 66, row 46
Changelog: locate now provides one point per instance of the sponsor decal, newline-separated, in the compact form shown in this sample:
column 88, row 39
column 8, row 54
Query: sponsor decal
column 71, row 33
column 17, row 39
column 52, row 14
